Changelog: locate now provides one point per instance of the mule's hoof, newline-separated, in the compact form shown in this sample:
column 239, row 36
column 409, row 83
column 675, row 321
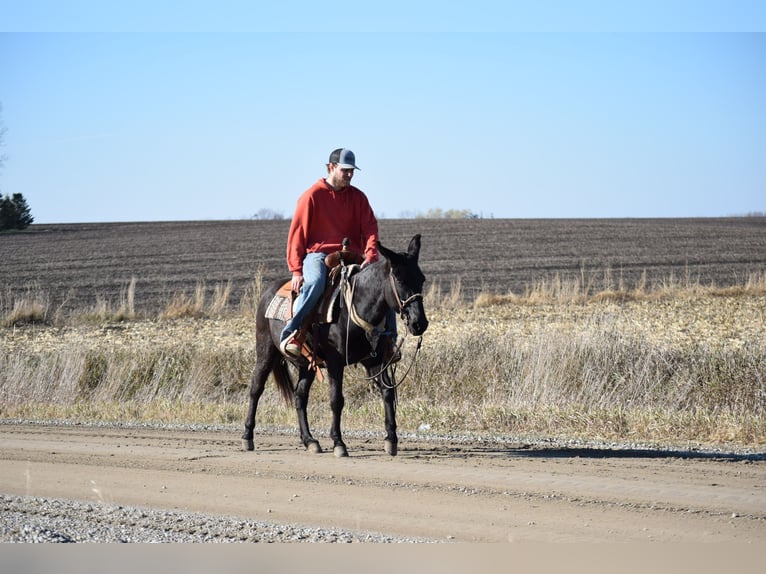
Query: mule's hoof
column 390, row 447
column 248, row 444
column 313, row 447
column 340, row 451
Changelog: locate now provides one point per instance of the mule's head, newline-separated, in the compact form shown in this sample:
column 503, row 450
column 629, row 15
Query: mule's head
column 406, row 294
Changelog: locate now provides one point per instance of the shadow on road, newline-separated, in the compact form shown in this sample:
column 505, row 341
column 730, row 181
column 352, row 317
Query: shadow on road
column 554, row 452
column 599, row 453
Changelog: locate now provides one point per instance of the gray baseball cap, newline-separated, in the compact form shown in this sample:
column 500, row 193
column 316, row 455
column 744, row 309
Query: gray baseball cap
column 344, row 158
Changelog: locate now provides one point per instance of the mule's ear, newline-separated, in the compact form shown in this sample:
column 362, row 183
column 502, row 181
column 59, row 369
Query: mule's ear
column 414, row 249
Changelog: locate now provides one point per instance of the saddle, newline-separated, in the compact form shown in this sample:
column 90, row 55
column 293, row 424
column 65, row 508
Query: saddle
column 327, row 309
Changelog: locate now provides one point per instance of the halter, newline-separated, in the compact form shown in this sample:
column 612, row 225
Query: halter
column 373, row 332
column 348, row 296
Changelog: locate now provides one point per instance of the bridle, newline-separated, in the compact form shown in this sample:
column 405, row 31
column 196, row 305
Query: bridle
column 373, row 332
column 407, row 301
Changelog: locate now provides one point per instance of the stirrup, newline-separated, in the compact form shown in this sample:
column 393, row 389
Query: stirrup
column 291, row 345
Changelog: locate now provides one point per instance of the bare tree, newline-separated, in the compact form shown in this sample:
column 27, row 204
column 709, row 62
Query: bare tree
column 267, row 213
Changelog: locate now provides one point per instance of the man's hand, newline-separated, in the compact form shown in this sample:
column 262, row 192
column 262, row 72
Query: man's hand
column 296, row 282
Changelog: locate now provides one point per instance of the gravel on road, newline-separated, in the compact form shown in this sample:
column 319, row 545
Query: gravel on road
column 35, row 519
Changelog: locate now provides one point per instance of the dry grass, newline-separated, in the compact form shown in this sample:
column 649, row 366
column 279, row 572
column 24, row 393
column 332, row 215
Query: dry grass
column 601, row 371
column 579, row 290
column 184, row 305
column 248, row 305
column 31, row 307
column 105, row 311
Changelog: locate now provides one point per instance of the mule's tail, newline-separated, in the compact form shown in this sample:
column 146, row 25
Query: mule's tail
column 284, row 382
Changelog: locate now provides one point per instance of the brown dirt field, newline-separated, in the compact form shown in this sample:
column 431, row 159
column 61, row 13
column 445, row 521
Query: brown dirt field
column 77, row 263
column 469, row 491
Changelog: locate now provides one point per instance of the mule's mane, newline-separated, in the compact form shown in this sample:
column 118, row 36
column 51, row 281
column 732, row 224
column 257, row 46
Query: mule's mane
column 366, row 272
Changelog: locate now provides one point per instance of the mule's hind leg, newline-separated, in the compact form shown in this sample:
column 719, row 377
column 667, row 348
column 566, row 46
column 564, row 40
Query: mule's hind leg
column 263, row 366
column 305, row 379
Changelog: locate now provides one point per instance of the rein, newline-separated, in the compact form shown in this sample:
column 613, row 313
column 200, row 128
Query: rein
column 393, row 367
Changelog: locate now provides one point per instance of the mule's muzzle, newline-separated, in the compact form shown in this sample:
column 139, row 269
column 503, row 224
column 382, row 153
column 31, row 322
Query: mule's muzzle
column 418, row 327
column 415, row 319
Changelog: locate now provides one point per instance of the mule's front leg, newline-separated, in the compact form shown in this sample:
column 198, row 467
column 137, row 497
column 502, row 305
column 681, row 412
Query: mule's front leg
column 336, row 405
column 306, row 378
column 387, row 386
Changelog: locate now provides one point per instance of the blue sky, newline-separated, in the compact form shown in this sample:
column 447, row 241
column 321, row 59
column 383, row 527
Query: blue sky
column 137, row 113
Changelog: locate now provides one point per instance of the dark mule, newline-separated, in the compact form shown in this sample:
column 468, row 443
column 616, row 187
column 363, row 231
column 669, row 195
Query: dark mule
column 394, row 282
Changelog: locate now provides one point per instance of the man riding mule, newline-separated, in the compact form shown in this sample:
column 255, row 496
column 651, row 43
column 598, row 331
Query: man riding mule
column 334, row 223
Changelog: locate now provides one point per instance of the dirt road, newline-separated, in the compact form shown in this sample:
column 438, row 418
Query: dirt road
column 481, row 491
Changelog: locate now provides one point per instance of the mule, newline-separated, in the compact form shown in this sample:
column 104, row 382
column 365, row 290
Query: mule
column 356, row 336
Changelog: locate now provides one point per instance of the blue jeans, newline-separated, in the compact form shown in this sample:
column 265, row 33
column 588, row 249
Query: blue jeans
column 314, row 279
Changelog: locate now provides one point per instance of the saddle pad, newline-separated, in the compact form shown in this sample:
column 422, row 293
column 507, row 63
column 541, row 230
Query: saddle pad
column 280, row 307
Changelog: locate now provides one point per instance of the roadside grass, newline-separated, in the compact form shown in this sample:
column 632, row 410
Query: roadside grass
column 31, row 306
column 600, row 381
column 562, row 360
column 582, row 290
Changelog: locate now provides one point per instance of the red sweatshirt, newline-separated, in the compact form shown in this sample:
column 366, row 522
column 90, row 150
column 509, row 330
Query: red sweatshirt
column 324, row 216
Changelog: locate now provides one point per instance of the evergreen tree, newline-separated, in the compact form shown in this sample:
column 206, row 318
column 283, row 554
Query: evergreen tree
column 14, row 212
column 6, row 213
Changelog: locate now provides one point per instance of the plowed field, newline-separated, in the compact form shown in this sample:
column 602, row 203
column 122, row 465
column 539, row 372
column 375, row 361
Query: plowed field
column 76, row 264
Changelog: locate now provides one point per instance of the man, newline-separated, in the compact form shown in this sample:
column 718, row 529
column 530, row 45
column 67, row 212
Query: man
column 329, row 211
